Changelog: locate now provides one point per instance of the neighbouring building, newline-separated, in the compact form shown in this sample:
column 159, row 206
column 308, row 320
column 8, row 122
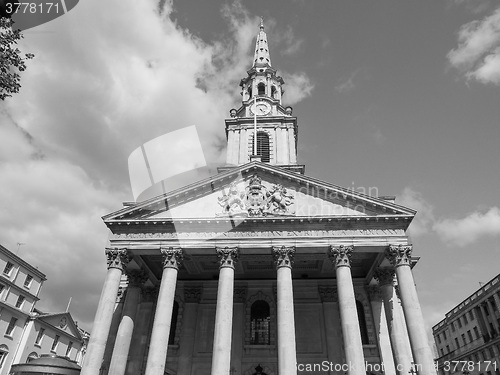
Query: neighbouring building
column 25, row 332
column 470, row 332
column 260, row 269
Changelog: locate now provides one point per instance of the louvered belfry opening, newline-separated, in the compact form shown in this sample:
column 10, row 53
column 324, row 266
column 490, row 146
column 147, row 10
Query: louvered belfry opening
column 263, row 146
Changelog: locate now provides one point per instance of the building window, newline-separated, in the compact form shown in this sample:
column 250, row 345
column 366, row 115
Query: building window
column 469, row 333
column 442, row 351
column 261, row 88
column 471, row 315
column 463, row 338
column 2, row 287
column 173, row 323
column 260, row 323
column 362, row 323
column 459, row 323
column 438, row 339
column 447, row 348
column 31, row 357
column 476, row 332
column 19, row 302
column 452, row 326
column 444, row 335
column 27, row 281
column 39, row 337
column 4, row 352
column 54, row 344
column 11, row 326
column 465, row 318
column 456, row 342
column 263, row 146
column 8, row 268
column 68, row 349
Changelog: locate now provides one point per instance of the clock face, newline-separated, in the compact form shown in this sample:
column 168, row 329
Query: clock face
column 63, row 322
column 260, row 108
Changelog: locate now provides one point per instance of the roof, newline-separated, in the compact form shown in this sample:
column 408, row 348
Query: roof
column 29, row 267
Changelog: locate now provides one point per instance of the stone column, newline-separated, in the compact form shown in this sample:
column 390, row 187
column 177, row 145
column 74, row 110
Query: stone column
column 400, row 258
column 493, row 316
column 400, row 346
column 348, row 313
column 117, row 260
column 287, row 356
column 192, row 296
column 329, row 299
column 126, row 328
column 237, row 342
column 221, row 357
column 158, row 345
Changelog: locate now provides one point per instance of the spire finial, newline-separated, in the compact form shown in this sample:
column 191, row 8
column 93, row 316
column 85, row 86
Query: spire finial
column 262, row 23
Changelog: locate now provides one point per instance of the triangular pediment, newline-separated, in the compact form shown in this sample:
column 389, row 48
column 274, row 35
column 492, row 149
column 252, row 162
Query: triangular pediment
column 258, row 190
column 62, row 321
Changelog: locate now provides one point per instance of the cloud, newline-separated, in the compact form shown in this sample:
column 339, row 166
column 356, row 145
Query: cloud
column 297, row 87
column 462, row 232
column 424, row 218
column 478, row 53
column 290, row 43
column 101, row 84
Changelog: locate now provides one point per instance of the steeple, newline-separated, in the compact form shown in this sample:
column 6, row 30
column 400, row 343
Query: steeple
column 262, row 58
column 262, row 128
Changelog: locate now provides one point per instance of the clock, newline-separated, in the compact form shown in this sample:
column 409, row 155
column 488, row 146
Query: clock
column 63, row 322
column 260, row 108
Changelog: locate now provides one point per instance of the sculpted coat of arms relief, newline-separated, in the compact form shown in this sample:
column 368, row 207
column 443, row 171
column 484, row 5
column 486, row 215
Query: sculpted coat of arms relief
column 256, row 200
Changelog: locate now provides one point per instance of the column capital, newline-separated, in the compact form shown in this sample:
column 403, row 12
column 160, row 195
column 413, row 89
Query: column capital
column 341, row 255
column 228, row 256
column 283, row 256
column 117, row 258
column 172, row 257
column 399, row 255
column 328, row 293
column 192, row 294
column 136, row 277
column 384, row 276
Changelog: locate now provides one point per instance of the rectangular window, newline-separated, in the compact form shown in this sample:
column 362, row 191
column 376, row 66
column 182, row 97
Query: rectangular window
column 54, row 344
column 8, row 268
column 471, row 315
column 456, row 342
column 447, row 348
column 469, row 333
column 459, row 323
column 465, row 318
column 27, row 281
column 11, row 327
column 442, row 351
column 463, row 338
column 444, row 335
column 476, row 332
column 19, row 302
column 68, row 350
column 438, row 339
column 452, row 326
column 39, row 337
column 2, row 287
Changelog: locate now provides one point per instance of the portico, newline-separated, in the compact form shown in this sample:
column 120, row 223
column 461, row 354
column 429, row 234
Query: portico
column 259, row 268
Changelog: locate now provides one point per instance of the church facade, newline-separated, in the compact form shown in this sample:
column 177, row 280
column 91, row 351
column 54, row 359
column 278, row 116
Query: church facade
column 260, row 269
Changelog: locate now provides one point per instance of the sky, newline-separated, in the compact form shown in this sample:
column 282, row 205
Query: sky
column 402, row 98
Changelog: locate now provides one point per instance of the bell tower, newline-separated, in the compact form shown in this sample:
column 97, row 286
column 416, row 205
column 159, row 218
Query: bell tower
column 262, row 129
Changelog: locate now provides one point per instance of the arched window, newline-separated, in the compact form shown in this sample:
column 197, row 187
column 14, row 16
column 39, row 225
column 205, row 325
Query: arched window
column 273, row 92
column 173, row 323
column 260, row 323
column 31, row 356
column 362, row 322
column 4, row 352
column 261, row 88
column 263, row 146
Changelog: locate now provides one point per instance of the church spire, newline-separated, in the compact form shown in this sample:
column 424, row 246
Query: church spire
column 262, row 58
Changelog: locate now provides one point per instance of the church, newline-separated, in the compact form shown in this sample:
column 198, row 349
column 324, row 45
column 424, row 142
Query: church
column 260, row 269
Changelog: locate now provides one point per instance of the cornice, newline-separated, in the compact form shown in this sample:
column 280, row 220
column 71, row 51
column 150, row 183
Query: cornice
column 26, row 292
